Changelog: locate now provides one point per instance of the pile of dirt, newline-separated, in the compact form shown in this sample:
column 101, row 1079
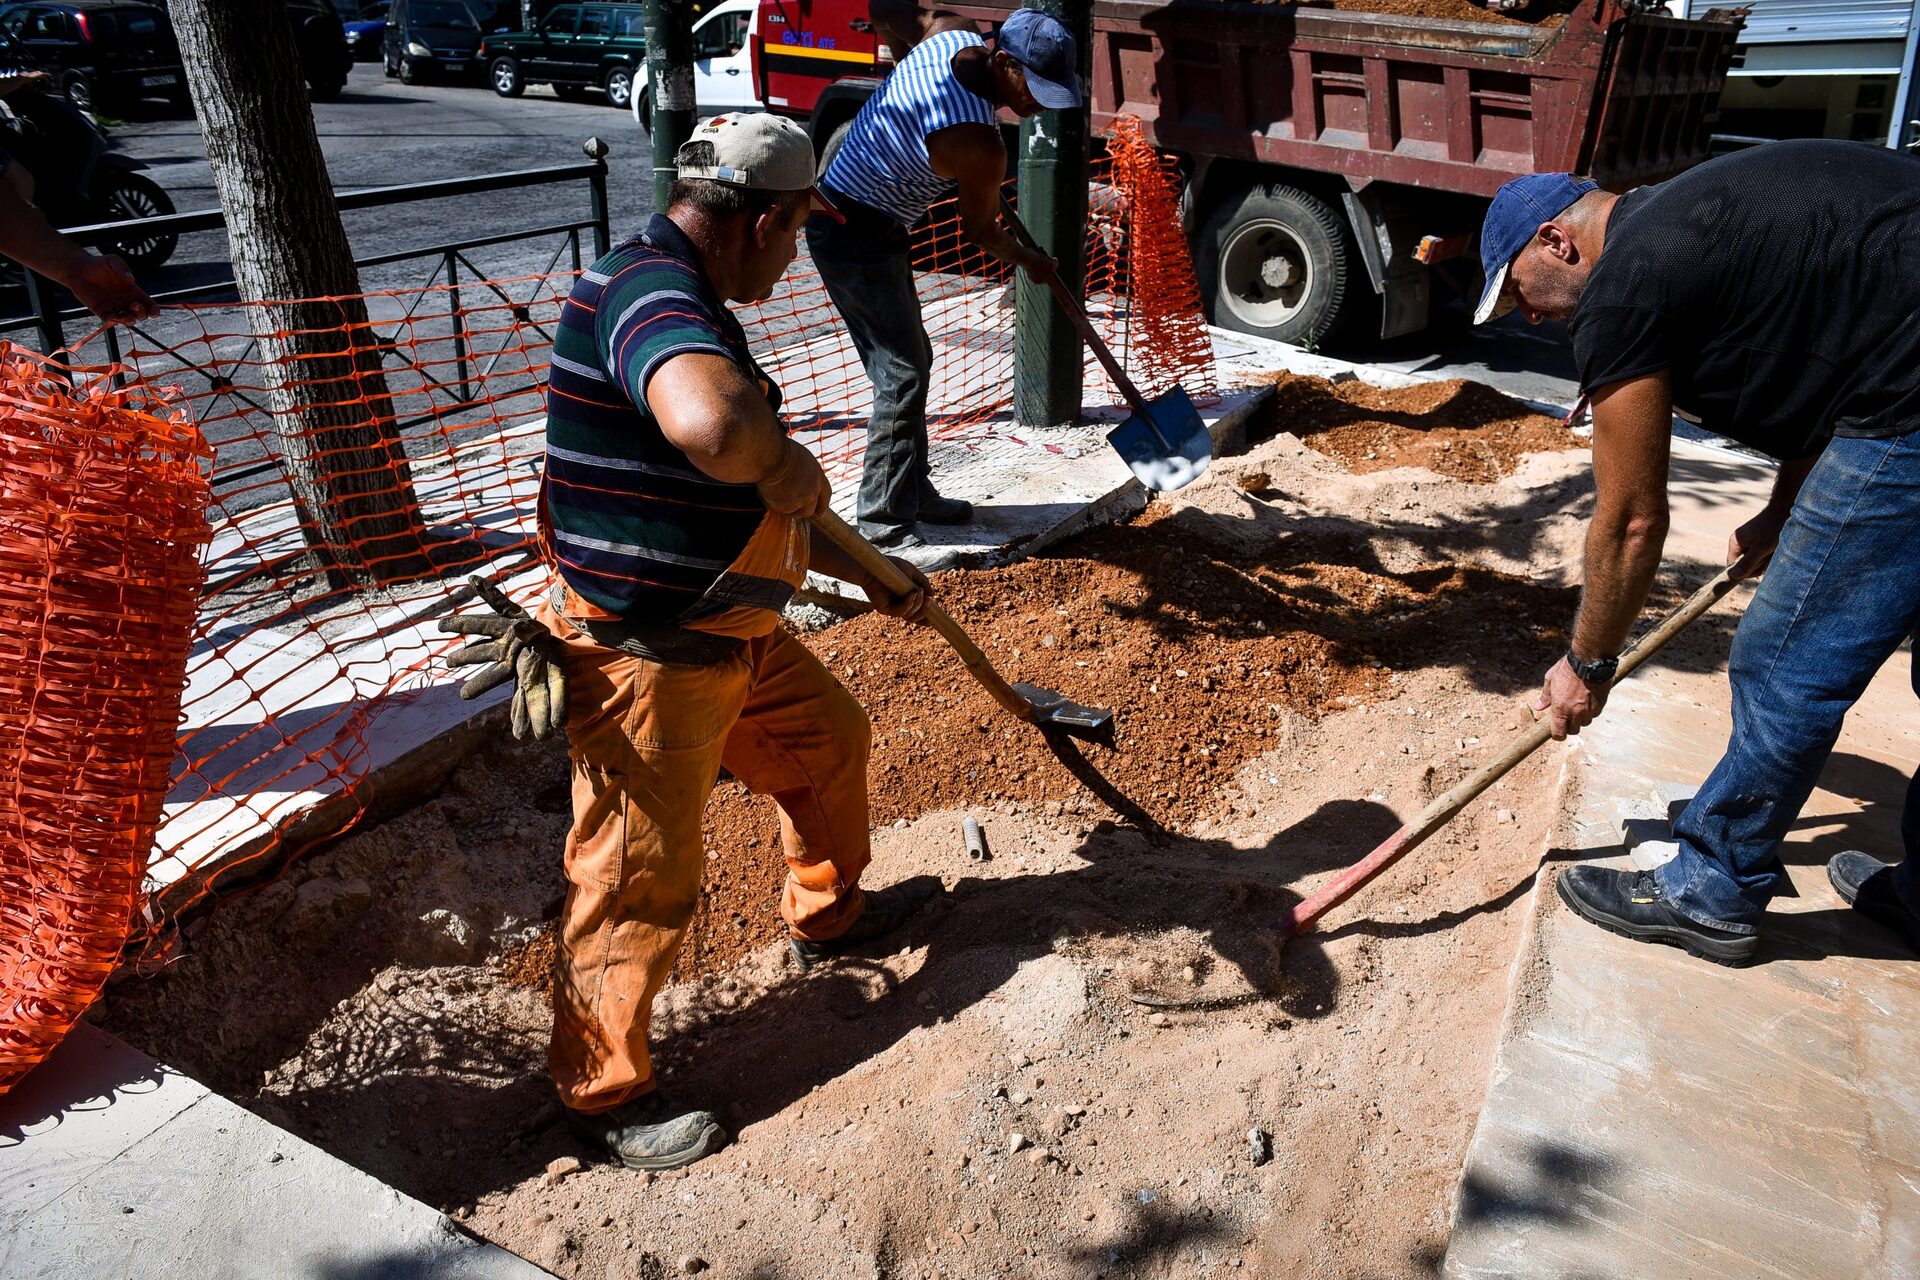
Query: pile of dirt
column 1463, row 430
column 1540, row 13
column 1205, row 646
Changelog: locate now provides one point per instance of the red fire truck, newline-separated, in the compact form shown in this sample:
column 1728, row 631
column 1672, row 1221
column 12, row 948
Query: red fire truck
column 1338, row 162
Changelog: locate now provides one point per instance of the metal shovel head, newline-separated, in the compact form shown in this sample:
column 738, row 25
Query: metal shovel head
column 1168, row 447
column 1054, row 711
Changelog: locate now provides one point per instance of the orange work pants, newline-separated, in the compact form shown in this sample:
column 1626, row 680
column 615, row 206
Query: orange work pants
column 647, row 740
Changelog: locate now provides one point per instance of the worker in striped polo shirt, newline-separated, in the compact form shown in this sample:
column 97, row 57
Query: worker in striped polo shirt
column 929, row 129
column 675, row 510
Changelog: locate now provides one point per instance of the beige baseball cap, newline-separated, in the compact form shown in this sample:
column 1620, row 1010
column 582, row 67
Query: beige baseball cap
column 756, row 150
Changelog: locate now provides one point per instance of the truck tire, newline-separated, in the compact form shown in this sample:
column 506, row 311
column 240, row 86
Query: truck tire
column 835, row 141
column 504, row 76
column 643, row 111
column 1276, row 262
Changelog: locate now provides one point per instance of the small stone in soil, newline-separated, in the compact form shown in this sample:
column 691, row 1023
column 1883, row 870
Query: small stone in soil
column 693, row 1265
column 1015, row 1141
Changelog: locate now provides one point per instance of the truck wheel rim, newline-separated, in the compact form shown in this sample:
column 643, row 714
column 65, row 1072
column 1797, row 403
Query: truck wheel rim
column 503, row 77
column 1266, row 273
column 619, row 88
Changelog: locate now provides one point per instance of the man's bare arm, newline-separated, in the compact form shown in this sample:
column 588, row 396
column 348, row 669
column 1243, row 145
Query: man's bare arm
column 974, row 156
column 712, row 412
column 1632, row 438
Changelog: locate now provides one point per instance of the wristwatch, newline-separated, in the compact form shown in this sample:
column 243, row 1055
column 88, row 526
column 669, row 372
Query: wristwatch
column 1599, row 671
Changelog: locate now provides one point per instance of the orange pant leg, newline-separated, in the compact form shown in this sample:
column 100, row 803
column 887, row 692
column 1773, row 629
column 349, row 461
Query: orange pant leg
column 803, row 739
column 645, row 743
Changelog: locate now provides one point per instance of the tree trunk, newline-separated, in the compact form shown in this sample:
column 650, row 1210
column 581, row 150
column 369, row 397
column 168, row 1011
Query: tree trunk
column 329, row 396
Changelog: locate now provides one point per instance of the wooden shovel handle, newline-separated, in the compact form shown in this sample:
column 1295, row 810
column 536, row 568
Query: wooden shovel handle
column 1436, row 815
column 869, row 557
column 1077, row 314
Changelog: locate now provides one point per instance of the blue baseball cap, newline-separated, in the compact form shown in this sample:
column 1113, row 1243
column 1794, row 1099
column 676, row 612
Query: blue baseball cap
column 1046, row 51
column 1517, row 211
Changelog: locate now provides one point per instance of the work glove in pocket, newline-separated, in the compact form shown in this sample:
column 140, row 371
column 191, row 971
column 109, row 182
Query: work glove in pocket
column 513, row 646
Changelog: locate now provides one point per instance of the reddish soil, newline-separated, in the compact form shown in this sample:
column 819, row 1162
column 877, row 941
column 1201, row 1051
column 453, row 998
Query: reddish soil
column 1462, row 430
column 1542, row 13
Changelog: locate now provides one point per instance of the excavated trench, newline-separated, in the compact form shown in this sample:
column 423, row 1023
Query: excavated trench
column 1296, row 650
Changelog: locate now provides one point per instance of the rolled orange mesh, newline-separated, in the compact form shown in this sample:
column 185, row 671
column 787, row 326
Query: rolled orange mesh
column 315, row 653
column 103, row 504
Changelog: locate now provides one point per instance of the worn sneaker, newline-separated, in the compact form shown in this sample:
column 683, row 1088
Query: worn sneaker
column 1866, row 884
column 935, row 509
column 651, row 1133
column 885, row 910
column 1629, row 903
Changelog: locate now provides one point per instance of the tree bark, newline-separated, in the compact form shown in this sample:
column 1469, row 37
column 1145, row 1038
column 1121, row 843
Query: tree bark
column 332, row 410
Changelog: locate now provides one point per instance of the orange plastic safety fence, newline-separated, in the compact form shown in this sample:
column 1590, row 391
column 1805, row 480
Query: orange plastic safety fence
column 370, row 452
column 103, row 506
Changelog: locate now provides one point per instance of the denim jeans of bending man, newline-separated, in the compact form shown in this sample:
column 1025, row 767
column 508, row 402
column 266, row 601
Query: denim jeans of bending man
column 867, row 265
column 1841, row 594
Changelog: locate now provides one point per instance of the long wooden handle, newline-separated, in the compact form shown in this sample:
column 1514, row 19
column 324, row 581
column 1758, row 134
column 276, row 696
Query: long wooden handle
column 1436, row 815
column 1077, row 314
column 868, row 557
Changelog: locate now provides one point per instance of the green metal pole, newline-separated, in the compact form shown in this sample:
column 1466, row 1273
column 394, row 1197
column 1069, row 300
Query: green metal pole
column 669, row 28
column 1053, row 204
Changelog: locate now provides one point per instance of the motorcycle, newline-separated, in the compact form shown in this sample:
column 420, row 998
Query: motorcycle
column 78, row 179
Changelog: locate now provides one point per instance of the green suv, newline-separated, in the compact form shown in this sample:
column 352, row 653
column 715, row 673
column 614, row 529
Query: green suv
column 575, row 48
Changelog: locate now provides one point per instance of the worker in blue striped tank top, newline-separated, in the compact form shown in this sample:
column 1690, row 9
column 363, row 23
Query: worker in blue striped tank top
column 930, row 129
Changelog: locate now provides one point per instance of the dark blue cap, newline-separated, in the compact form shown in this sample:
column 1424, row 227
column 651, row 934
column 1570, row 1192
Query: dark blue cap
column 1517, row 211
column 1046, row 50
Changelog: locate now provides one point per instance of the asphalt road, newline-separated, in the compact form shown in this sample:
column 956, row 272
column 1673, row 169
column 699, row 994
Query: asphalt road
column 383, row 133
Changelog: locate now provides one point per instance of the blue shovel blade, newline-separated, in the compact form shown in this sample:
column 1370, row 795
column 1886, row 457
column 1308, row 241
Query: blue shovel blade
column 1168, row 447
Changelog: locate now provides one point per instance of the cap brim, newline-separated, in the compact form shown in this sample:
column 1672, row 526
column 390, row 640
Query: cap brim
column 823, row 205
column 1051, row 94
column 1493, row 302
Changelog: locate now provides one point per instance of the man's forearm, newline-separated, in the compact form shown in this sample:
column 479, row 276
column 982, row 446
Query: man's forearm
column 1786, row 484
column 825, row 557
column 1623, row 553
column 30, row 240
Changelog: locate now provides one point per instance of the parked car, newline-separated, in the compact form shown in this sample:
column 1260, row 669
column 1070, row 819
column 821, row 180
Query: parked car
column 321, row 38
column 576, row 47
column 429, row 39
column 102, row 53
column 365, row 31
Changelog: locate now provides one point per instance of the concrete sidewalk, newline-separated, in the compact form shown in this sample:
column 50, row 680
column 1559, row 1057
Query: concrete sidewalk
column 1651, row 1115
column 115, row 1165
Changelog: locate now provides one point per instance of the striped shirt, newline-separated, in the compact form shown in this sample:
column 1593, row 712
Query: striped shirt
column 635, row 527
column 883, row 163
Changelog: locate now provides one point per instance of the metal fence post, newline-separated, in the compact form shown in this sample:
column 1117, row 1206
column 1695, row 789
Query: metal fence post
column 53, row 334
column 459, row 318
column 597, row 152
column 669, row 27
column 1047, row 384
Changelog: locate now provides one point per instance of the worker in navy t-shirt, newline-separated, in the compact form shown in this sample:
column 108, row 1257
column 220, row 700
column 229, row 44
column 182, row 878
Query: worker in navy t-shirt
column 1770, row 295
column 929, row 129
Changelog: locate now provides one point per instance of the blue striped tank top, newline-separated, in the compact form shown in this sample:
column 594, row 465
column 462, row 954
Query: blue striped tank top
column 883, row 163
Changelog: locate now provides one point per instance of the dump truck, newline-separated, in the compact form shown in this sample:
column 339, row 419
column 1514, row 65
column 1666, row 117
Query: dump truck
column 1337, row 162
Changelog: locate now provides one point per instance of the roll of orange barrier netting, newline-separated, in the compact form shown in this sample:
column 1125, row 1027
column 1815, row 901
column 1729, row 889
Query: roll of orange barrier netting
column 103, row 502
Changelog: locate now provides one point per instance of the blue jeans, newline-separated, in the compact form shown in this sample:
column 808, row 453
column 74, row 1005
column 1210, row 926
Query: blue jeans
column 867, row 266
column 1841, row 593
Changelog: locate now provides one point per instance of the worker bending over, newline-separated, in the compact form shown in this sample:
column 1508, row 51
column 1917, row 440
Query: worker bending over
column 1770, row 295
column 930, row 128
column 675, row 509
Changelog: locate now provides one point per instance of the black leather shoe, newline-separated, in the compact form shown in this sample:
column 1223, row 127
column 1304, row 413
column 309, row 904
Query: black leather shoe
column 1866, row 884
column 935, row 509
column 651, row 1133
column 905, row 538
column 1629, row 903
column 885, row 910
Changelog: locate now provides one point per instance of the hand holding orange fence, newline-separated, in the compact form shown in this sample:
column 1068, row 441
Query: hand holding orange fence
column 103, row 502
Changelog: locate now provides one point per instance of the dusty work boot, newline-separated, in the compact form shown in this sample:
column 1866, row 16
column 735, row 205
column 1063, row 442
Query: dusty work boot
column 651, row 1133
column 1629, row 903
column 1866, row 884
column 885, row 910
column 935, row 509
column 905, row 538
